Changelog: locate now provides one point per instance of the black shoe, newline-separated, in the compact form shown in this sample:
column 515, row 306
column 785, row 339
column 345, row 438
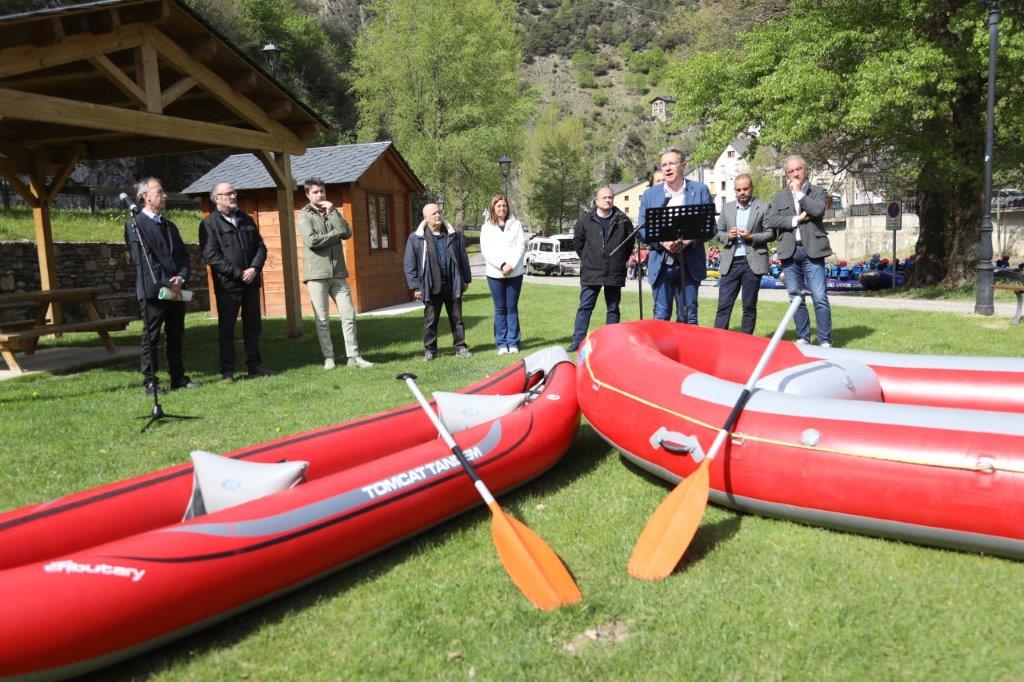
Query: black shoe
column 183, row 382
column 428, row 356
column 572, row 347
column 260, row 371
column 227, row 376
column 463, row 353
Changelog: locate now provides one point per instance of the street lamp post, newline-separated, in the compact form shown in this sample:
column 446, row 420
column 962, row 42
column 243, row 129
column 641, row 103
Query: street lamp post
column 505, row 165
column 271, row 52
column 983, row 304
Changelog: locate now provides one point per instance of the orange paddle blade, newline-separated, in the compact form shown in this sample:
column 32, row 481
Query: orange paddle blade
column 671, row 527
column 531, row 563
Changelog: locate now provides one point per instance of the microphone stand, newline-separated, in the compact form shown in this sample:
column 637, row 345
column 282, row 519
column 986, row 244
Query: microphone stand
column 157, row 412
column 639, row 277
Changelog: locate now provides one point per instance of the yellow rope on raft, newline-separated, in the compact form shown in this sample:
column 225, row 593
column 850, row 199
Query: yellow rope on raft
column 981, row 464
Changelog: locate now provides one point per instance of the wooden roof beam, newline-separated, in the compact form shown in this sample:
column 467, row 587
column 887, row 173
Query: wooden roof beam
column 121, row 81
column 21, row 188
column 26, row 58
column 104, row 21
column 59, row 111
column 48, row 32
column 147, row 72
column 203, row 50
column 176, row 90
column 218, row 87
column 279, row 109
column 67, row 166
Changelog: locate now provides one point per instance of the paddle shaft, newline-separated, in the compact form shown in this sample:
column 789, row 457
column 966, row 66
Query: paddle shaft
column 748, row 389
column 449, row 441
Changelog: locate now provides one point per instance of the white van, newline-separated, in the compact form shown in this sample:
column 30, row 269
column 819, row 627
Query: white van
column 552, row 256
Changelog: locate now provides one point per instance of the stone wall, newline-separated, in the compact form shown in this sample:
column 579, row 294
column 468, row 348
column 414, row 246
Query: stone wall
column 85, row 265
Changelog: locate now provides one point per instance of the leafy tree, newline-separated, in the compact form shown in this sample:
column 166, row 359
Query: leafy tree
column 440, row 78
column 558, row 171
column 893, row 87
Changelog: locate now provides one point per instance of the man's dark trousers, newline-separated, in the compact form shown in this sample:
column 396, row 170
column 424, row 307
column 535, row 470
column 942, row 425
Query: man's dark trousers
column 229, row 303
column 432, row 315
column 739, row 276
column 588, row 299
column 171, row 316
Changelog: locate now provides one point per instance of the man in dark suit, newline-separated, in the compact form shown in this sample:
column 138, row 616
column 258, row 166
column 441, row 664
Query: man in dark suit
column 744, row 256
column 162, row 262
column 795, row 213
column 675, row 268
column 234, row 250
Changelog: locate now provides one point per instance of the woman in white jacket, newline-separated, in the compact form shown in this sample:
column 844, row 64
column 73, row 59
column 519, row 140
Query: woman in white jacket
column 503, row 246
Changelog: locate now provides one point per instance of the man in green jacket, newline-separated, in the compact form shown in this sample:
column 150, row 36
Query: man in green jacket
column 324, row 272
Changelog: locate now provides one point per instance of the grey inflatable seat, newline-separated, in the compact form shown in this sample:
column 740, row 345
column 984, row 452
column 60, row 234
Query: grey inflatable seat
column 460, row 411
column 220, row 482
column 840, row 379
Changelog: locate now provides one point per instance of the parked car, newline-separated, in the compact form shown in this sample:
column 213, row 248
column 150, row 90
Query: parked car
column 552, row 256
column 1008, row 197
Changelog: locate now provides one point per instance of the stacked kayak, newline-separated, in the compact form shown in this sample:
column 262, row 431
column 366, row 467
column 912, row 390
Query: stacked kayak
column 100, row 575
column 928, row 449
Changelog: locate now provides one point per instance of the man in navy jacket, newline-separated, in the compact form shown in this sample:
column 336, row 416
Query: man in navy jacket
column 675, row 268
column 437, row 272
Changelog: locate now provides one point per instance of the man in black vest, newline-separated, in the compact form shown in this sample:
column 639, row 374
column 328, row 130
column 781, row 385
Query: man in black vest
column 163, row 263
column 234, row 250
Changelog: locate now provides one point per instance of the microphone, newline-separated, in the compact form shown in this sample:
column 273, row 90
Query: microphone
column 128, row 203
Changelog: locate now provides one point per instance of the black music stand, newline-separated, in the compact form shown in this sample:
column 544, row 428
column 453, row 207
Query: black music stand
column 673, row 223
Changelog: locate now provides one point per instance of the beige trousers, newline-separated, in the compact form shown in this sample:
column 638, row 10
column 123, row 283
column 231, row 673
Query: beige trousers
column 321, row 291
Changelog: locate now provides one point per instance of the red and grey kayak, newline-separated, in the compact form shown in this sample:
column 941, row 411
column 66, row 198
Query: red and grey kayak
column 104, row 574
column 928, row 449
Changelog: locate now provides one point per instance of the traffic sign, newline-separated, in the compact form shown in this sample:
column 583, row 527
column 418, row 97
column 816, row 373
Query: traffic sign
column 894, row 216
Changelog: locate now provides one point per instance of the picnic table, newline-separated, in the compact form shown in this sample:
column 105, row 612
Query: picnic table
column 1019, row 290
column 24, row 334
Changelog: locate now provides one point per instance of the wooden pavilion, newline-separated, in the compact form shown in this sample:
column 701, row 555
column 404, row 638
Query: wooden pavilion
column 116, row 78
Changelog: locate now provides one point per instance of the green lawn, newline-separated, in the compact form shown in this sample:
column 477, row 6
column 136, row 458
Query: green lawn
column 79, row 225
column 755, row 598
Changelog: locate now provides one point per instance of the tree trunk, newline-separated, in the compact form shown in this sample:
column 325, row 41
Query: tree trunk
column 932, row 255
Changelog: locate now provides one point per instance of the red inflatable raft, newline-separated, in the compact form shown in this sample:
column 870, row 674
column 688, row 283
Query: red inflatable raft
column 104, row 574
column 928, row 449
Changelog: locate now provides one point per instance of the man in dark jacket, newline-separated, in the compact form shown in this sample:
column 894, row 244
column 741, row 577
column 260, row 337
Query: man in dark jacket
column 437, row 272
column 162, row 263
column 597, row 234
column 234, row 250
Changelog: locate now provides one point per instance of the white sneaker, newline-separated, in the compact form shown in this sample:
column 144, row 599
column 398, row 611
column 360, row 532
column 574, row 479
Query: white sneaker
column 802, row 342
column 357, row 361
column 503, row 351
column 826, row 344
column 513, row 349
column 329, row 363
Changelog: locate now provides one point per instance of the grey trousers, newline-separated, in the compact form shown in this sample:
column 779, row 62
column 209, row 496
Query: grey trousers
column 321, row 291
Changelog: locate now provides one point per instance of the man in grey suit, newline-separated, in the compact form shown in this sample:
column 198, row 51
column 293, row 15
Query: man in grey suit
column 795, row 213
column 744, row 255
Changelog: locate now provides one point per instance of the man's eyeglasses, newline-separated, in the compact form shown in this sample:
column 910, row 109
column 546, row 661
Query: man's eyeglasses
column 226, row 194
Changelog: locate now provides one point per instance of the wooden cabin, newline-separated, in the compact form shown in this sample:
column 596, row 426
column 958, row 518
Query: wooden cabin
column 372, row 186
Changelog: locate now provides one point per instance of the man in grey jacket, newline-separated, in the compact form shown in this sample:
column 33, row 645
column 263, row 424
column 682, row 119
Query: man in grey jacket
column 324, row 271
column 744, row 258
column 795, row 213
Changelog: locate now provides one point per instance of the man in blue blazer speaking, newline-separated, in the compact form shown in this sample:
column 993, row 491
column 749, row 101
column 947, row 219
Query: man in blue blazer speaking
column 675, row 268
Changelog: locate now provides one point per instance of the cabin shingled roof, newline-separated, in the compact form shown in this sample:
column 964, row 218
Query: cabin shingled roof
column 334, row 165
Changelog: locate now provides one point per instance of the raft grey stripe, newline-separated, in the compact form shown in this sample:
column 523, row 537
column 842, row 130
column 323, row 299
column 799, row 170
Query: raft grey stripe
column 322, row 509
column 894, row 530
column 910, row 360
column 721, row 392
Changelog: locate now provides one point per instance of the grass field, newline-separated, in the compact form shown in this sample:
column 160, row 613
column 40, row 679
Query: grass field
column 756, row 598
column 79, row 225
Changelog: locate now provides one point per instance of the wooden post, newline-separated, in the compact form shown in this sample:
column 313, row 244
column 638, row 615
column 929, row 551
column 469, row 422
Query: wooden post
column 44, row 242
column 279, row 165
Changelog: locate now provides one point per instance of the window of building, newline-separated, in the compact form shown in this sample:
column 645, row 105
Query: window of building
column 379, row 218
column 730, row 154
column 723, row 185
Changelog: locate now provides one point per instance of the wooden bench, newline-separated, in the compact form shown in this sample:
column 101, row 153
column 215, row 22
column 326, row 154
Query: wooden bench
column 1019, row 290
column 26, row 334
